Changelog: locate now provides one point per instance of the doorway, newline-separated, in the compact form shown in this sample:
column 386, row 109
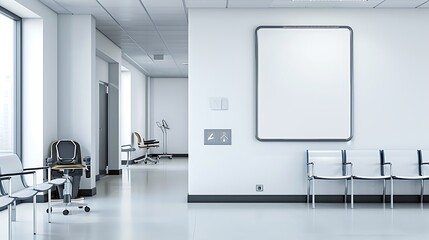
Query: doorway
column 103, row 90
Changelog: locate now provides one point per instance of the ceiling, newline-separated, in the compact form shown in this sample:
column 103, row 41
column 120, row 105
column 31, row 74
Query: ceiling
column 144, row 28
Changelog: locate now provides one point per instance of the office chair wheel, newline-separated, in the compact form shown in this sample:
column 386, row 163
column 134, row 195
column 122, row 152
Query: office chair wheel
column 145, row 162
column 87, row 209
column 170, row 157
column 47, row 210
column 66, row 212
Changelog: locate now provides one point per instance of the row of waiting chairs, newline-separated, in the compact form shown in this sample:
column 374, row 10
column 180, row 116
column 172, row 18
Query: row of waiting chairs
column 13, row 186
column 384, row 165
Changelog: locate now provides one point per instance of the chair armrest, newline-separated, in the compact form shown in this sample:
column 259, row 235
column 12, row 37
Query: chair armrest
column 5, row 178
column 126, row 145
column 390, row 167
column 36, row 168
column 308, row 169
column 16, row 174
column 351, row 167
column 424, row 163
column 10, row 184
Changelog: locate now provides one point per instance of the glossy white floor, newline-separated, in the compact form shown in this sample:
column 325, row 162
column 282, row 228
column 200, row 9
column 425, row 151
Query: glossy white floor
column 150, row 203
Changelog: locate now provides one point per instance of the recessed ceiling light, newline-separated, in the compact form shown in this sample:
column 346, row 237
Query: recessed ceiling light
column 158, row 57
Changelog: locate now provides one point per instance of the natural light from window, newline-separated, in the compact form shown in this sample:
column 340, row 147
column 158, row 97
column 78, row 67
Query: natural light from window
column 7, row 89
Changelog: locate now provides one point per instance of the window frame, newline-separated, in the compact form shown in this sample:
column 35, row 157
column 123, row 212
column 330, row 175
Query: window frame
column 17, row 148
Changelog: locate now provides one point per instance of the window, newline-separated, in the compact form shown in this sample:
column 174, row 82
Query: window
column 10, row 104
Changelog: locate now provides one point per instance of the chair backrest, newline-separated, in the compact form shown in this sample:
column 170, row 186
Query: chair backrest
column 10, row 163
column 404, row 162
column 64, row 152
column 424, row 158
column 139, row 138
column 327, row 163
column 365, row 162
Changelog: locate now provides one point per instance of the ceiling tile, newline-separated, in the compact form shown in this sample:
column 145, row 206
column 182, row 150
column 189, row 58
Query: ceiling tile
column 55, row 6
column 120, row 3
column 162, row 3
column 205, row 3
column 78, row 3
column 249, row 3
column 324, row 4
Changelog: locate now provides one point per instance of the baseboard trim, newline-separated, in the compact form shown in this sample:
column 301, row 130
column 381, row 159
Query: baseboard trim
column 301, row 198
column 115, row 172
column 178, row 155
column 87, row 192
column 133, row 161
column 124, row 162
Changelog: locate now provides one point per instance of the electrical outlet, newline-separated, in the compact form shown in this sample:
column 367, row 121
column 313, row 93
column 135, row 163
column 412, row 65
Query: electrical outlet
column 259, row 187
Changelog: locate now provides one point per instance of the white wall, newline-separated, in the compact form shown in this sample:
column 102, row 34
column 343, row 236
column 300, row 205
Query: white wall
column 169, row 101
column 78, row 86
column 102, row 70
column 390, row 96
column 138, row 107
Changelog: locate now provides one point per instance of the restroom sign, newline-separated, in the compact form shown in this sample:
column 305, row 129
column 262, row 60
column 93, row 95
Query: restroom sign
column 217, row 137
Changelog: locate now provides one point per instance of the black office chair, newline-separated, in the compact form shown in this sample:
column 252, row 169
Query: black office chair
column 66, row 162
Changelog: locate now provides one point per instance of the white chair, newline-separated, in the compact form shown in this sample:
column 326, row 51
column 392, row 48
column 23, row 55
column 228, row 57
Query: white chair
column 7, row 201
column 327, row 165
column 367, row 165
column 423, row 168
column 11, row 166
column 405, row 165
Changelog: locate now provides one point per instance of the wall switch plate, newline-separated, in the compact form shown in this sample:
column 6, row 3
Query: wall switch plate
column 215, row 103
column 259, row 187
column 224, row 103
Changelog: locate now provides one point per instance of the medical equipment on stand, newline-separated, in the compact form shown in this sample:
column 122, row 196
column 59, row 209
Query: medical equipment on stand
column 164, row 128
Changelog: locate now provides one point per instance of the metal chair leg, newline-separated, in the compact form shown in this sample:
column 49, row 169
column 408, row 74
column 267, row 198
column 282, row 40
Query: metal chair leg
column 34, row 214
column 14, row 212
column 9, row 210
column 391, row 193
column 351, row 193
column 308, row 190
column 346, row 190
column 384, row 191
column 49, row 206
column 313, row 198
column 422, row 191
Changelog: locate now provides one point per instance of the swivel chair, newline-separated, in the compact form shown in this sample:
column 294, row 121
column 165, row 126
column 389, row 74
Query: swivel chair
column 146, row 144
column 66, row 162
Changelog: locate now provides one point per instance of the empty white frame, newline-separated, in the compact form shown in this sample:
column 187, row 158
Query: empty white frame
column 304, row 83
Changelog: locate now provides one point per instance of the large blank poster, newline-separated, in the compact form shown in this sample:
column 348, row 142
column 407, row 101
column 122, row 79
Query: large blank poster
column 304, row 81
